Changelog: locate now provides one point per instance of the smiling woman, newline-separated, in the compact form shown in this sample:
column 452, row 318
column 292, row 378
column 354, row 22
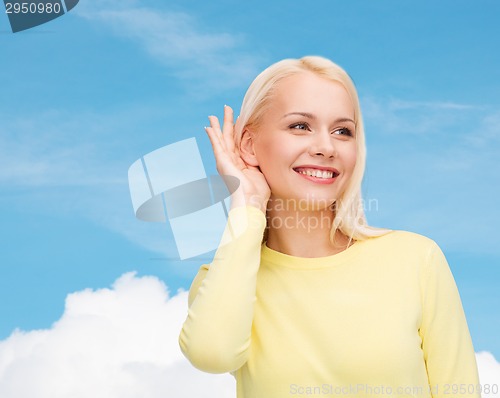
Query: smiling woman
column 309, row 294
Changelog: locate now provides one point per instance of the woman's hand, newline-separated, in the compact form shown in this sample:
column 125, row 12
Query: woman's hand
column 253, row 189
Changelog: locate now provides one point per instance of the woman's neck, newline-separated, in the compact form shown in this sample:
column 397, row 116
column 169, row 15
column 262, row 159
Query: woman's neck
column 303, row 233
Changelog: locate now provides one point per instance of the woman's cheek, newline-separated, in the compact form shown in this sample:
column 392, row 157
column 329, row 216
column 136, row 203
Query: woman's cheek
column 350, row 158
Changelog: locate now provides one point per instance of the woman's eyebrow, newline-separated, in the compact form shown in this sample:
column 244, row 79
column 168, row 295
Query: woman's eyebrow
column 305, row 114
column 345, row 119
column 311, row 116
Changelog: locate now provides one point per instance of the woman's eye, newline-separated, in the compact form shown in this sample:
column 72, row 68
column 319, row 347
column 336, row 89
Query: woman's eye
column 343, row 131
column 299, row 126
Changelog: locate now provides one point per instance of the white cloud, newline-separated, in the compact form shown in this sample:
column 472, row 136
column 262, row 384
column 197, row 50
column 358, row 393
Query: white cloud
column 405, row 118
column 109, row 343
column 396, row 104
column 60, row 148
column 211, row 59
column 448, row 125
column 489, row 374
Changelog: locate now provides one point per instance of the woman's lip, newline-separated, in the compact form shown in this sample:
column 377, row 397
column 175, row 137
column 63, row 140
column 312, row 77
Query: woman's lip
column 318, row 180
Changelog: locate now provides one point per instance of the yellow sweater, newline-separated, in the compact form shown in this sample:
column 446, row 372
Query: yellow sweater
column 382, row 318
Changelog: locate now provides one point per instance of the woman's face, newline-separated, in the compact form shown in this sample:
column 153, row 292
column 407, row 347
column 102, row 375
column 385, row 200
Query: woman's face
column 305, row 144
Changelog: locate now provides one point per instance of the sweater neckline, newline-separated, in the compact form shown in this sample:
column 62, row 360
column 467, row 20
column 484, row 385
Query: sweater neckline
column 269, row 255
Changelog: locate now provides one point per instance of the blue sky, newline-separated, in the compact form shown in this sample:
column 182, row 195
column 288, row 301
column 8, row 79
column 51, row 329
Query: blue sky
column 84, row 96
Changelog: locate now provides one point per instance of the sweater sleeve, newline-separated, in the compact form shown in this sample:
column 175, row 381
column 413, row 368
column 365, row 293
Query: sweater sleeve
column 446, row 342
column 216, row 334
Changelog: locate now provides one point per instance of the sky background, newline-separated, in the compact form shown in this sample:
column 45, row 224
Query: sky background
column 86, row 95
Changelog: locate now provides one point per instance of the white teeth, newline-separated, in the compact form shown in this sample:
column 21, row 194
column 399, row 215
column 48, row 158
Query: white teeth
column 317, row 173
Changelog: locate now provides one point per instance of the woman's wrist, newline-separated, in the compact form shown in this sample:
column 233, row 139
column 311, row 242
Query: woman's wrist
column 239, row 199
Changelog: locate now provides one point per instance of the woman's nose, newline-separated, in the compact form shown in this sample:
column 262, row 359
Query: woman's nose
column 322, row 144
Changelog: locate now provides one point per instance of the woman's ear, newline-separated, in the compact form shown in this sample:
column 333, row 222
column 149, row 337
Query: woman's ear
column 247, row 148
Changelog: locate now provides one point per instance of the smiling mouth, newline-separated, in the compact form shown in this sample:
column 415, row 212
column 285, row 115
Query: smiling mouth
column 317, row 173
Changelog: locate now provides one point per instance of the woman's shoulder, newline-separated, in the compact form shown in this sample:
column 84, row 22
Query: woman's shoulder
column 404, row 250
column 405, row 241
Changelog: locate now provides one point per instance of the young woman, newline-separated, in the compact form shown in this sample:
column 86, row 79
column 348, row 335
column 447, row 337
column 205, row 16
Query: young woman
column 307, row 300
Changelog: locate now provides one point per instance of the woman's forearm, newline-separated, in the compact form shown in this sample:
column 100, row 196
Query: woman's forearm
column 216, row 334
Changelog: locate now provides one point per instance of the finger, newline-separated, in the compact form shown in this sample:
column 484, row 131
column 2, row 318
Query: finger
column 228, row 128
column 216, row 141
column 220, row 141
column 214, row 123
column 216, row 132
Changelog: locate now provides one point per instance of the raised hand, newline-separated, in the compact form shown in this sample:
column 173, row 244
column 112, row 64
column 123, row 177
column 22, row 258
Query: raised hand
column 253, row 189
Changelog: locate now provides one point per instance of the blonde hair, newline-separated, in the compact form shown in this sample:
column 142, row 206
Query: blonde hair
column 349, row 213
